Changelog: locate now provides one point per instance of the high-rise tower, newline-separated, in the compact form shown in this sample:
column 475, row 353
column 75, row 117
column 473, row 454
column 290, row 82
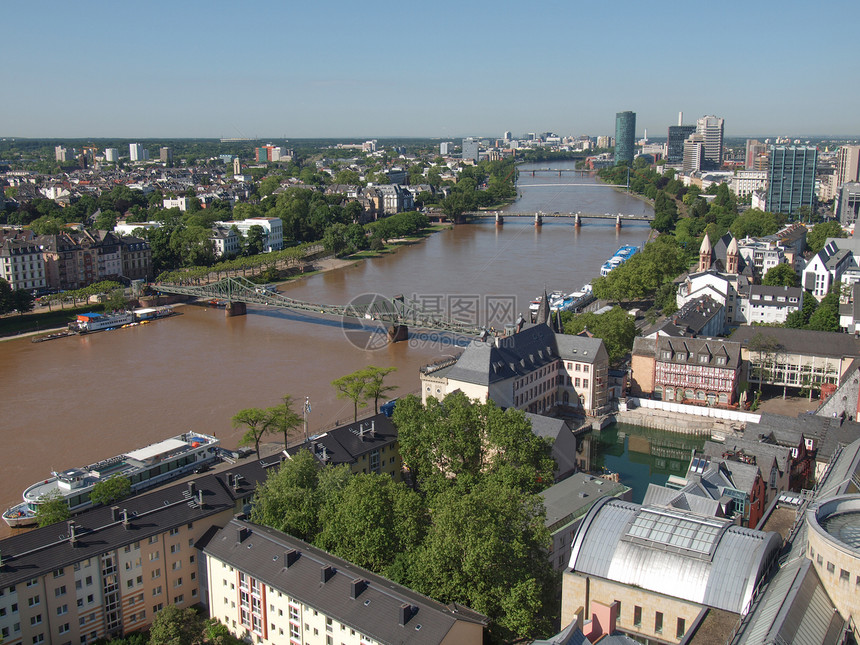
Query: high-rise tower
column 791, row 182
column 711, row 128
column 625, row 132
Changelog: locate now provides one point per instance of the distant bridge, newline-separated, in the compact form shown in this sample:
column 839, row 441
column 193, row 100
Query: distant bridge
column 642, row 217
column 397, row 312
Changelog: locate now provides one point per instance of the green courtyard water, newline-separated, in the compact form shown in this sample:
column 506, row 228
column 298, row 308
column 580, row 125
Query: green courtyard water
column 640, row 455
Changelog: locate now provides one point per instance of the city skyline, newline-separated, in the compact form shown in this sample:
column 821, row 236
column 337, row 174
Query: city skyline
column 446, row 70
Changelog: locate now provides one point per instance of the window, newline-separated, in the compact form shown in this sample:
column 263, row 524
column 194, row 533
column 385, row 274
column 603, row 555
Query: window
column 153, row 539
column 844, row 575
column 658, row 622
column 157, row 591
column 154, row 556
column 830, row 567
column 173, row 532
column 176, row 565
column 32, row 602
column 178, row 599
column 157, row 608
column 36, row 620
column 60, row 591
column 681, row 628
column 637, row 616
column 89, row 580
column 177, row 583
column 62, row 609
column 39, row 638
column 64, row 628
column 174, row 548
column 156, row 574
column 58, row 573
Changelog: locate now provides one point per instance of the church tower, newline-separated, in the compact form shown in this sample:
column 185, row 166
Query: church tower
column 706, row 254
column 732, row 257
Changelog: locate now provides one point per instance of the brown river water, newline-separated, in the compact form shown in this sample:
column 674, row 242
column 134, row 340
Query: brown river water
column 73, row 401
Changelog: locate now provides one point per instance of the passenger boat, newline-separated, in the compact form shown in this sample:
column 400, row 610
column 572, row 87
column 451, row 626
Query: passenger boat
column 621, row 256
column 146, row 467
column 90, row 322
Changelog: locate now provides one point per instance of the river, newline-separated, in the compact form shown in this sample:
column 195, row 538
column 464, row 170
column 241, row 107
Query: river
column 75, row 400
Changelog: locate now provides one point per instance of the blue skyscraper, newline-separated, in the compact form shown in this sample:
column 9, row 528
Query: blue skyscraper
column 625, row 131
column 791, row 181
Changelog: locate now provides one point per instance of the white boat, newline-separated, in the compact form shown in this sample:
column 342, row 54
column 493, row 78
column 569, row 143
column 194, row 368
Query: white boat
column 144, row 468
column 621, row 256
column 91, row 322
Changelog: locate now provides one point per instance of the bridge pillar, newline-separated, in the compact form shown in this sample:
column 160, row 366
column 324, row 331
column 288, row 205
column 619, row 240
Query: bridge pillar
column 559, row 173
column 577, row 221
column 618, row 222
column 396, row 333
column 235, row 309
column 499, row 219
column 538, row 219
column 533, row 173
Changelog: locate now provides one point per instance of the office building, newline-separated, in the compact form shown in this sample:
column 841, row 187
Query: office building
column 678, row 134
column 137, row 152
column 605, row 141
column 711, row 129
column 61, row 153
column 847, row 164
column 443, row 148
column 508, row 135
column 111, row 155
column 791, row 183
column 848, row 203
column 273, row 230
column 746, row 182
column 694, row 153
column 165, row 154
column 470, row 149
column 625, row 133
column 755, row 150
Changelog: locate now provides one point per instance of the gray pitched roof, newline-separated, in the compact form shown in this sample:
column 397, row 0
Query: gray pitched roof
column 563, row 441
column 803, row 341
column 262, row 553
column 570, row 497
column 345, row 444
column 699, row 351
column 31, row 554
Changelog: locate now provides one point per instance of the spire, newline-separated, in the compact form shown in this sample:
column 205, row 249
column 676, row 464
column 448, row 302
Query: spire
column 732, row 257
column 706, row 254
column 544, row 316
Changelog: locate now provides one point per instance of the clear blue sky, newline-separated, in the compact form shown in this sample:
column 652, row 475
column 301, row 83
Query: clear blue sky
column 362, row 68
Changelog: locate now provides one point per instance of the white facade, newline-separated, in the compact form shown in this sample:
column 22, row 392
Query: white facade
column 763, row 304
column 126, row 228
column 177, row 202
column 273, row 229
column 111, row 155
column 137, row 152
column 722, row 288
column 746, row 182
column 226, row 242
column 22, row 265
column 825, row 268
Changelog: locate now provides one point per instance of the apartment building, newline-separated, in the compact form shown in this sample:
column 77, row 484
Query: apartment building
column 22, row 265
column 269, row 587
column 108, row 571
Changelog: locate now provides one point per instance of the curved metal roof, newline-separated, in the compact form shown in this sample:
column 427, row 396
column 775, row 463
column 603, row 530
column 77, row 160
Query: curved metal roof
column 702, row 559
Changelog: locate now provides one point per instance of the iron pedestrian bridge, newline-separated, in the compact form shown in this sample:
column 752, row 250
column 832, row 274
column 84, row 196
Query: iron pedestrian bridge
column 397, row 312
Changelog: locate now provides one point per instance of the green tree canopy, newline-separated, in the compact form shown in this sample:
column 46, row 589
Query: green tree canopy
column 816, row 238
column 458, row 442
column 487, row 549
column 175, row 626
column 352, row 387
column 782, row 275
column 111, row 490
column 257, row 422
column 616, row 328
column 52, row 508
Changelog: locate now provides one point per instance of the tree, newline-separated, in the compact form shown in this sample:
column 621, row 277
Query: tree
column 458, row 442
column 255, row 240
column 110, row 490
column 287, row 500
column 616, row 328
column 52, row 508
column 374, row 389
column 373, row 520
column 782, row 275
column 816, row 237
column 175, row 626
column 352, row 387
column 487, row 549
column 766, row 347
column 284, row 418
column 116, row 300
column 257, row 422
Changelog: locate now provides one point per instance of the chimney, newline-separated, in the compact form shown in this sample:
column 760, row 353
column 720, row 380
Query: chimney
column 405, row 614
column 72, row 537
column 114, row 514
column 290, row 558
column 125, row 517
column 243, row 533
column 192, row 488
column 357, row 587
column 200, row 501
column 326, row 573
column 372, row 428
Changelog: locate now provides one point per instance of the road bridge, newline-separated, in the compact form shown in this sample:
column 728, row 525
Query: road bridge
column 397, row 312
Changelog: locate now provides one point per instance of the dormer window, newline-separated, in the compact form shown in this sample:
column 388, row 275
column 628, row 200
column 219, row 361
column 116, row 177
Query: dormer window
column 721, row 360
column 667, row 355
column 681, row 357
column 704, row 358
